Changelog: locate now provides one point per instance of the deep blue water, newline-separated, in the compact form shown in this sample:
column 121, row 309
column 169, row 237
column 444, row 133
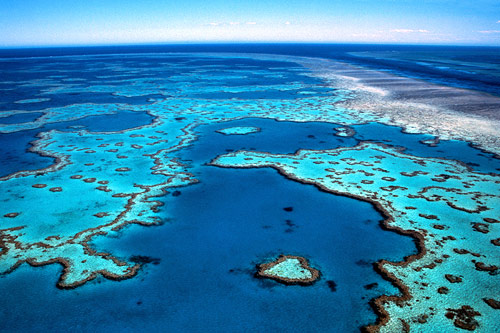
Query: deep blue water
column 19, row 118
column 62, row 99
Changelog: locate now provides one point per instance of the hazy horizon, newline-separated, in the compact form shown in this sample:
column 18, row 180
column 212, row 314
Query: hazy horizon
column 110, row 22
column 195, row 43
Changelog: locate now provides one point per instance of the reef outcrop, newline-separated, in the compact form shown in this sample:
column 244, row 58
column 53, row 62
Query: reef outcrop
column 288, row 269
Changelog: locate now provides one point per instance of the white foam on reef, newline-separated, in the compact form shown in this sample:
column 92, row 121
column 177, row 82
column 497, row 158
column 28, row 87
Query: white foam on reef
column 415, row 105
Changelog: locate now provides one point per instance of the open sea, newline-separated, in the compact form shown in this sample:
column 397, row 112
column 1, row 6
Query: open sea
column 470, row 67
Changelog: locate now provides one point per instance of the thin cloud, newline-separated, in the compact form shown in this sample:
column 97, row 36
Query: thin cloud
column 217, row 24
column 374, row 35
column 403, row 31
column 408, row 31
column 498, row 21
column 490, row 31
column 287, row 23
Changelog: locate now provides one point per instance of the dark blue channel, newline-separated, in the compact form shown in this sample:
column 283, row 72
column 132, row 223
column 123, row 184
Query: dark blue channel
column 20, row 118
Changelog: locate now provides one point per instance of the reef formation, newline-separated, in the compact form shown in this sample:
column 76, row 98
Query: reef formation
column 239, row 130
column 289, row 269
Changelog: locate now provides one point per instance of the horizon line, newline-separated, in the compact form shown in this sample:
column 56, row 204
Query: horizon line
column 194, row 43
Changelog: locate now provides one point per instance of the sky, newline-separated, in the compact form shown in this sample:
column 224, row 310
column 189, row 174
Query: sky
column 97, row 22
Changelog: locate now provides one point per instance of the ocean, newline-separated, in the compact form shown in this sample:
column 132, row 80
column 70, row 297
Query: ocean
column 182, row 236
